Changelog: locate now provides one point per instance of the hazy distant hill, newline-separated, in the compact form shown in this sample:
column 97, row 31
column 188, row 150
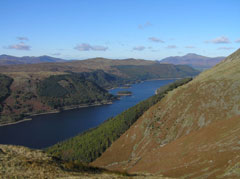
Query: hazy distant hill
column 128, row 68
column 12, row 60
column 196, row 61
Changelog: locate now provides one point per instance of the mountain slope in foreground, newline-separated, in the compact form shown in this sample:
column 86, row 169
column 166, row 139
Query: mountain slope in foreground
column 196, row 61
column 21, row 162
column 192, row 132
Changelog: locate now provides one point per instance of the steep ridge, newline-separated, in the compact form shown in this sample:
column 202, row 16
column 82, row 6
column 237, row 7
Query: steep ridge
column 192, row 131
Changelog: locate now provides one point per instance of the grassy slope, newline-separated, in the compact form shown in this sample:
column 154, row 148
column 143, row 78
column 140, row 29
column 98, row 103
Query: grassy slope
column 88, row 146
column 22, row 162
column 177, row 121
column 209, row 152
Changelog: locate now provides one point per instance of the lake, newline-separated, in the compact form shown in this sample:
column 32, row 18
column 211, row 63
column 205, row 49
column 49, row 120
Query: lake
column 46, row 130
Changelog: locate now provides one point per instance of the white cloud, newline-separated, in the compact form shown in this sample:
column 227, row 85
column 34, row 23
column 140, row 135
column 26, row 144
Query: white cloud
column 143, row 26
column 171, row 46
column 88, row 47
column 237, row 41
column 139, row 48
column 219, row 40
column 190, row 46
column 22, row 38
column 225, row 48
column 56, row 54
column 19, row 46
column 155, row 39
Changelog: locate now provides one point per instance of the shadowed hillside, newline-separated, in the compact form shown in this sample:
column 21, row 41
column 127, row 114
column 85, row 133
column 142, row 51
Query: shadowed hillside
column 191, row 132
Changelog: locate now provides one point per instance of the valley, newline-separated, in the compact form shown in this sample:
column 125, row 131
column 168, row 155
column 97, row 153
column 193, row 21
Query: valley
column 52, row 87
column 124, row 89
column 157, row 130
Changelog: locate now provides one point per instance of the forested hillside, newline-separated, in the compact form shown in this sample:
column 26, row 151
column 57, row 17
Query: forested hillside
column 5, row 83
column 69, row 90
column 32, row 95
column 88, row 146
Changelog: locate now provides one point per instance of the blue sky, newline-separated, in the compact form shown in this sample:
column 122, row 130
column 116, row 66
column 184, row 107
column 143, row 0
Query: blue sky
column 146, row 29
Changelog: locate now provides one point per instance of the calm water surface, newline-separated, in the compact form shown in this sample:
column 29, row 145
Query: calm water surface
column 46, row 130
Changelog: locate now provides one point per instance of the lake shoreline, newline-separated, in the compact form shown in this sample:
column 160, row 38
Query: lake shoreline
column 46, row 130
column 66, row 108
column 17, row 122
column 29, row 117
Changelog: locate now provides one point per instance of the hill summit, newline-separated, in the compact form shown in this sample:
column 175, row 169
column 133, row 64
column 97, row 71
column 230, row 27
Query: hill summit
column 194, row 60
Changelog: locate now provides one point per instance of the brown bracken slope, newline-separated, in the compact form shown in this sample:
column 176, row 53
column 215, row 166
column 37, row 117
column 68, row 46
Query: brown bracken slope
column 193, row 132
column 22, row 162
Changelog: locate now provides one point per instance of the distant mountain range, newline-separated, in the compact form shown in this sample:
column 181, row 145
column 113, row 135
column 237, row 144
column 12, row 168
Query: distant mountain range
column 12, row 60
column 196, row 61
